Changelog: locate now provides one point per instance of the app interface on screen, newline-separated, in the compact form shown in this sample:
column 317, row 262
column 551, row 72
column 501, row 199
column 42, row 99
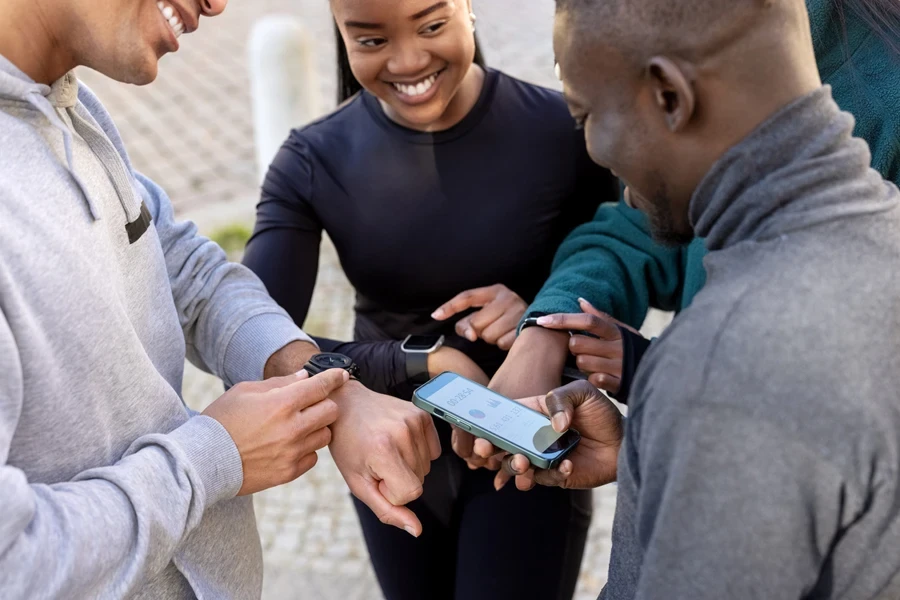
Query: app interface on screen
column 505, row 418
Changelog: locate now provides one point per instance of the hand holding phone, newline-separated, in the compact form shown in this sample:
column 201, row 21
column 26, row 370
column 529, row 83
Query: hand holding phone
column 486, row 414
column 593, row 462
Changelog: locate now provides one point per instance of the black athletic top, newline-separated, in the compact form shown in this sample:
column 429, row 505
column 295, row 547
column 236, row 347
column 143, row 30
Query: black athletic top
column 419, row 217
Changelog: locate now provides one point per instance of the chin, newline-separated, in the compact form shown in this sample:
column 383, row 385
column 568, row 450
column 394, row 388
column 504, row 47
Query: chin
column 670, row 238
column 140, row 70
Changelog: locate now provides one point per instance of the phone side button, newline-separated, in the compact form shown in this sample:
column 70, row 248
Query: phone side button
column 464, row 426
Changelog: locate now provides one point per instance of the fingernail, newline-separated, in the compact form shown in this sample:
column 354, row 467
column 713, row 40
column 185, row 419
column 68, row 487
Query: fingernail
column 470, row 335
column 301, row 373
column 583, row 301
column 437, row 314
column 544, row 321
column 410, row 531
column 497, row 486
column 559, row 422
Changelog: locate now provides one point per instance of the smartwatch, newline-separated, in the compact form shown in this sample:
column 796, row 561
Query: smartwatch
column 531, row 321
column 571, row 372
column 417, row 348
column 331, row 360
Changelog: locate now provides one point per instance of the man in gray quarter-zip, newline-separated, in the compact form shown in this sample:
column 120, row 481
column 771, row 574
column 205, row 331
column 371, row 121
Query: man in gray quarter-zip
column 109, row 486
column 762, row 443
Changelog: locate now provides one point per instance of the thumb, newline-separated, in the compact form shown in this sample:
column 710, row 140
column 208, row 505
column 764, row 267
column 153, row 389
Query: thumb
column 562, row 402
column 273, row 383
column 306, row 392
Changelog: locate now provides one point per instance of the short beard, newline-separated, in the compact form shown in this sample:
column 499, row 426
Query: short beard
column 663, row 227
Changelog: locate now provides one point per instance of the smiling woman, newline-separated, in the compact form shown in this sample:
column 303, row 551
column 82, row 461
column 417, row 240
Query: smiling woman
column 348, row 85
column 418, row 64
column 442, row 183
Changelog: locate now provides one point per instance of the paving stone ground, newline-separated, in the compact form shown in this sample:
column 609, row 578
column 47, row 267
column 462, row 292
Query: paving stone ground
column 191, row 132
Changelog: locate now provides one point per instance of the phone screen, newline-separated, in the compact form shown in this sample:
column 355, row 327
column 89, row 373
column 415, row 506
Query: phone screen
column 501, row 416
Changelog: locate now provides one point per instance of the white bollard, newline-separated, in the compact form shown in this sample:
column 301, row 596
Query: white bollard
column 284, row 86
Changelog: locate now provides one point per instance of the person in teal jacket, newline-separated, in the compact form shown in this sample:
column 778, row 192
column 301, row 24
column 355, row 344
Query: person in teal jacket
column 610, row 271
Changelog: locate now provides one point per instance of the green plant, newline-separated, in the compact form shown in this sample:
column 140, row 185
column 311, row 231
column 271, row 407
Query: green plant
column 232, row 238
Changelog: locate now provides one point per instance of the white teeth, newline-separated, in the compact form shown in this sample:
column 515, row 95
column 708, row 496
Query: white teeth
column 171, row 18
column 417, row 89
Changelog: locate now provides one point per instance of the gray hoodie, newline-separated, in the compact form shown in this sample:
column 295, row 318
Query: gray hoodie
column 110, row 486
column 763, row 443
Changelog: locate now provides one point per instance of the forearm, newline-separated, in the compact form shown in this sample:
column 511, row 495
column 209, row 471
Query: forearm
column 289, row 359
column 534, row 365
column 113, row 527
column 615, row 264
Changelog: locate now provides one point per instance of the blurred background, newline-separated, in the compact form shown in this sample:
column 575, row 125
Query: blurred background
column 192, row 132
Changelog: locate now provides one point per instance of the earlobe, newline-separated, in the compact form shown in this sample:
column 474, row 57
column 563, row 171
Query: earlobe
column 672, row 91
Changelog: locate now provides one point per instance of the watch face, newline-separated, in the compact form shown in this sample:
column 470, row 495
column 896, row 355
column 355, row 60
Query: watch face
column 421, row 342
column 332, row 361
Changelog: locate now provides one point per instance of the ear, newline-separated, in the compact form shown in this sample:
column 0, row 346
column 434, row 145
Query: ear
column 672, row 91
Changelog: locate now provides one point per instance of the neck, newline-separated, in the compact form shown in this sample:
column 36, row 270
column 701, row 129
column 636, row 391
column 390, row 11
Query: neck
column 30, row 43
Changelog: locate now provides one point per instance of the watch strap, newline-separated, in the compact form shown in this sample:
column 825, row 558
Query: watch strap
column 417, row 367
column 530, row 320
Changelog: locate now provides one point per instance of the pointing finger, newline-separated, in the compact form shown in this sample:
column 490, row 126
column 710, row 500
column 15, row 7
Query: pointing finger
column 463, row 301
column 581, row 322
column 589, row 308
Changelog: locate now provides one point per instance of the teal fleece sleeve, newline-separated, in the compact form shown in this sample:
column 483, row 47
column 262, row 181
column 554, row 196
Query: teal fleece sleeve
column 614, row 263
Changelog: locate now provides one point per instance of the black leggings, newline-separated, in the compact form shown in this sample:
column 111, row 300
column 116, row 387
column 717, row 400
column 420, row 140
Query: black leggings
column 478, row 543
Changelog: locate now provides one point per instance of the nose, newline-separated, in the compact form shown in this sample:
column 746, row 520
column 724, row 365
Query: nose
column 408, row 59
column 211, row 8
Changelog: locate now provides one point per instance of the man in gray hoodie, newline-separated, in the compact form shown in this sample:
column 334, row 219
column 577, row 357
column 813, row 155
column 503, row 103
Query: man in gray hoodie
column 110, row 486
column 761, row 451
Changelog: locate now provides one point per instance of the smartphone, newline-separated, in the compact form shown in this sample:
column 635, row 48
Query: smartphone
column 505, row 423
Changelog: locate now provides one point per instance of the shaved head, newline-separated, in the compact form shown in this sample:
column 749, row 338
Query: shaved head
column 665, row 87
column 643, row 28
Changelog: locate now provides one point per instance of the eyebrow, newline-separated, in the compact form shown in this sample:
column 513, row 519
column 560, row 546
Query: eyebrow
column 424, row 13
column 361, row 25
column 419, row 15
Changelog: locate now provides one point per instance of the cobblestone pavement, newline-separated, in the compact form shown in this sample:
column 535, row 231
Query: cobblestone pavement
column 191, row 132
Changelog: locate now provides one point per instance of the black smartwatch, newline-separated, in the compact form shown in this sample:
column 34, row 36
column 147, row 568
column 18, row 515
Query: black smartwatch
column 331, row 360
column 417, row 348
column 531, row 321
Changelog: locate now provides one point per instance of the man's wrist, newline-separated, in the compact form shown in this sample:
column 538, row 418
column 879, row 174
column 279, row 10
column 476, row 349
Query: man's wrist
column 349, row 392
column 289, row 359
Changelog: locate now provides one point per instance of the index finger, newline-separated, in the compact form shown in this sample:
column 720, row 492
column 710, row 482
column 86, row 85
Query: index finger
column 398, row 482
column 306, row 392
column 581, row 322
column 398, row 516
column 463, row 301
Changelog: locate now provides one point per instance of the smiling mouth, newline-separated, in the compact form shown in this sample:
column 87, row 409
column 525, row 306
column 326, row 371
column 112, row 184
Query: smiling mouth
column 171, row 16
column 419, row 88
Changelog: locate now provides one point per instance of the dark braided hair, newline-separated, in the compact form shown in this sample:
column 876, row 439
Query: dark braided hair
column 347, row 83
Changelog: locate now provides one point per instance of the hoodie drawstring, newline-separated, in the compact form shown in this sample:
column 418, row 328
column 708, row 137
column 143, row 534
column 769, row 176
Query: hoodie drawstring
column 37, row 100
